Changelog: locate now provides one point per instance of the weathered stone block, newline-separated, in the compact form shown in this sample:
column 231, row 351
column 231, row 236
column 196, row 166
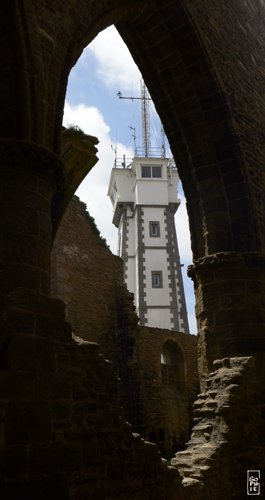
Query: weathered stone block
column 53, row 327
column 17, row 385
column 28, row 353
column 92, row 451
column 27, row 250
column 20, row 275
column 27, row 421
column 54, row 386
column 36, row 302
column 19, row 219
column 54, row 487
column 62, row 411
column 13, row 463
column 20, row 321
column 55, row 458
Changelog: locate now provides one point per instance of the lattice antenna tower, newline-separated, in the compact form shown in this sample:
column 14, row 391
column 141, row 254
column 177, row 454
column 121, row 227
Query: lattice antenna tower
column 145, row 119
column 145, row 108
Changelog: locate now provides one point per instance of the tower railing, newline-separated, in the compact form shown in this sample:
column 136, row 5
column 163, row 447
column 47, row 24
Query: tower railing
column 126, row 162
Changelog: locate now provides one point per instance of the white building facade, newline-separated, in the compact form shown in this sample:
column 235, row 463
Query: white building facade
column 144, row 196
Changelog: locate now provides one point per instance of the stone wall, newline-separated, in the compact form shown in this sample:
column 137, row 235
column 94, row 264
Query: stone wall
column 88, row 277
column 167, row 403
column 203, row 63
column 61, row 434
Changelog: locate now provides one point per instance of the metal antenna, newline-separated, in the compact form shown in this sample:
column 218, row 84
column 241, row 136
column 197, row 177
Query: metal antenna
column 145, row 98
column 163, row 146
column 145, row 119
column 115, row 152
column 134, row 138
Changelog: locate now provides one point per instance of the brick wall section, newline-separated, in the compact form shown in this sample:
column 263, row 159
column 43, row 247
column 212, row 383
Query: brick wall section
column 86, row 275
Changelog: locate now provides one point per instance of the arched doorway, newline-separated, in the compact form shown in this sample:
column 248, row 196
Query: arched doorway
column 172, row 366
column 175, row 398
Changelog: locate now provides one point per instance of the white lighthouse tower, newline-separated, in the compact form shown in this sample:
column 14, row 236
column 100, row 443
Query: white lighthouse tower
column 144, row 195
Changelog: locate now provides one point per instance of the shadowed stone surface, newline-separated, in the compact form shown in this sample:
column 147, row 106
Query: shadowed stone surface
column 203, row 63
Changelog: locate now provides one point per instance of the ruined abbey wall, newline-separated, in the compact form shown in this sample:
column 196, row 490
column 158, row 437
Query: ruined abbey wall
column 168, row 397
column 86, row 275
column 203, row 64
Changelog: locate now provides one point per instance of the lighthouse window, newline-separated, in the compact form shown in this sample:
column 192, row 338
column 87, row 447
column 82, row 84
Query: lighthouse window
column 154, row 229
column 156, row 172
column 157, row 279
column 151, row 171
column 146, row 171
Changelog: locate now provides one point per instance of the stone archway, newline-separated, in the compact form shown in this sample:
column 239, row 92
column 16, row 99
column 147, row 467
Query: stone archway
column 198, row 86
column 198, row 62
column 172, row 365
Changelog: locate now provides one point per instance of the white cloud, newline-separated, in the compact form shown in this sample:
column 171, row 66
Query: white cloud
column 88, row 118
column 116, row 66
column 93, row 190
column 183, row 234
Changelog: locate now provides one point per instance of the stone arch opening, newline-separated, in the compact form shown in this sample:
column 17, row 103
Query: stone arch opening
column 192, row 107
column 172, row 366
column 191, row 97
column 140, row 28
column 198, row 64
column 200, row 95
column 98, row 205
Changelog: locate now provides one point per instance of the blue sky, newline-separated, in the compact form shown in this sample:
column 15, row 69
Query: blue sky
column 104, row 68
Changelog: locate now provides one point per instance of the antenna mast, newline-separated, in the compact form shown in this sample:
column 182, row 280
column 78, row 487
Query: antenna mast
column 145, row 98
column 163, row 146
column 134, row 137
column 145, row 119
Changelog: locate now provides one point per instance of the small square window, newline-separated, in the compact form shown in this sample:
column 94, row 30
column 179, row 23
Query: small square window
column 157, row 279
column 154, row 229
column 149, row 171
column 156, row 172
column 146, row 171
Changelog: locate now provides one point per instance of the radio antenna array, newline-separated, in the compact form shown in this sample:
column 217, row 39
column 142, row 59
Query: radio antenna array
column 145, row 119
column 145, row 98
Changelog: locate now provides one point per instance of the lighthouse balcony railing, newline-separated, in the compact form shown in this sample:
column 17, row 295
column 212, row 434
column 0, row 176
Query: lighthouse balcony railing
column 126, row 162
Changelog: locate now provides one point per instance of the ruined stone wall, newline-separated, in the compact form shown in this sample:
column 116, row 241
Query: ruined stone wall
column 228, row 434
column 61, row 434
column 86, row 276
column 167, row 403
column 203, row 63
